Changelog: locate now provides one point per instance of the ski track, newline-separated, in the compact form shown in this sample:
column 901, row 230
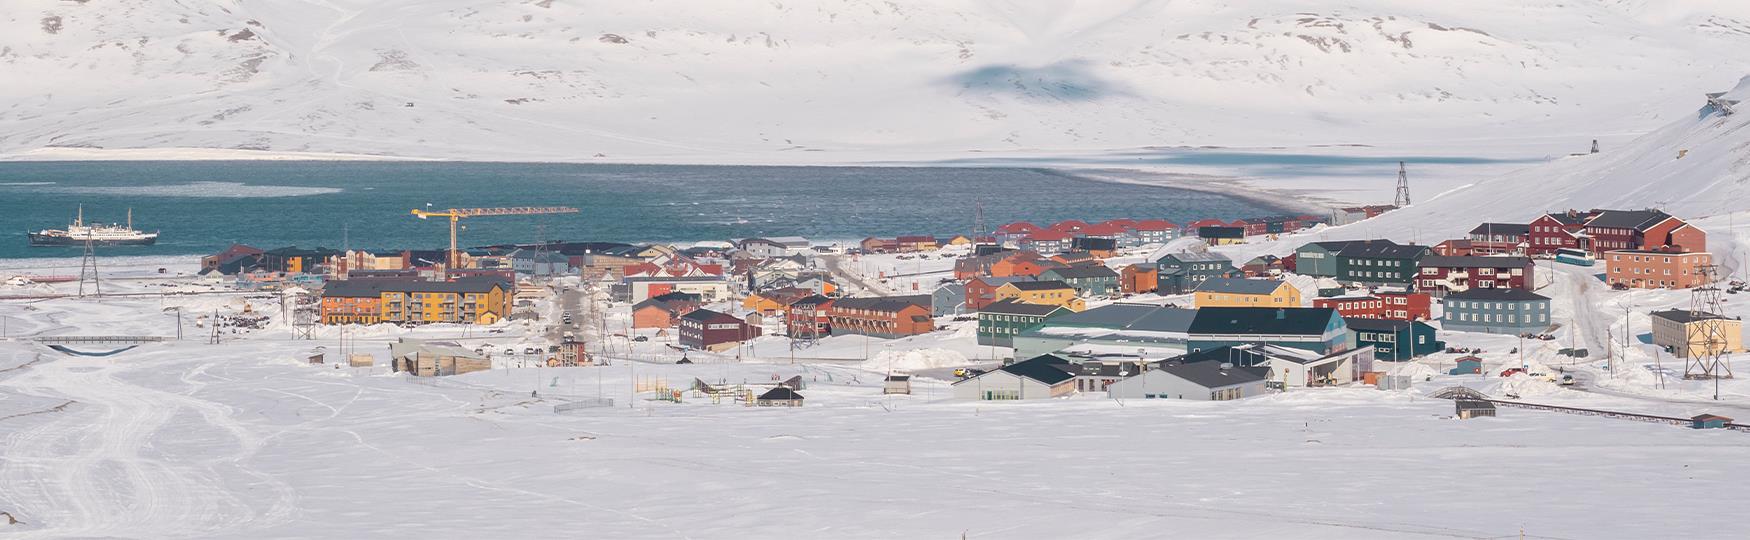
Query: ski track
column 91, row 471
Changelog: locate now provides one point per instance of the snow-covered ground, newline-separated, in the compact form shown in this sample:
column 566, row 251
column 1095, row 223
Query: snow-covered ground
column 243, row 439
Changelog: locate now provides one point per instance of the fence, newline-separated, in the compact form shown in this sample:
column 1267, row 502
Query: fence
column 583, row 403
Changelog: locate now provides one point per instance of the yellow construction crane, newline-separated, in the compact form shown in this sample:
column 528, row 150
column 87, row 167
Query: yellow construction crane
column 456, row 215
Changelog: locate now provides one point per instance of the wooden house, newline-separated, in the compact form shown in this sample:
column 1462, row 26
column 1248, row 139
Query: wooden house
column 896, row 384
column 780, row 396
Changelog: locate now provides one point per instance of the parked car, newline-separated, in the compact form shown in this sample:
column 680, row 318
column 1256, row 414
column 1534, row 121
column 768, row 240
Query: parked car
column 641, row 339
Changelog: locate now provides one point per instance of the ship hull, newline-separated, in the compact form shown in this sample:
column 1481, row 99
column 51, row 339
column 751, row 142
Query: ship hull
column 43, row 240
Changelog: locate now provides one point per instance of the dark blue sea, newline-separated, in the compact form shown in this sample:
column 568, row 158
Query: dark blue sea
column 202, row 206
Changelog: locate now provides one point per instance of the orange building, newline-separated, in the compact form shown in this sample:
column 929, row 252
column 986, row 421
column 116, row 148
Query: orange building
column 664, row 311
column 1641, row 269
column 411, row 301
column 351, row 305
column 1139, row 278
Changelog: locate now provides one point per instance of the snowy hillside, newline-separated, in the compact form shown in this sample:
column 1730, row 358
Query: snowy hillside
column 1695, row 167
column 846, row 80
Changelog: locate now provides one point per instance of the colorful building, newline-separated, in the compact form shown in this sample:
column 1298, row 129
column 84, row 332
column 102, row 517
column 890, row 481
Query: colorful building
column 1496, row 311
column 1045, row 293
column 1139, row 278
column 1180, row 273
column 704, row 329
column 407, row 301
column 1087, row 280
column 998, row 323
column 1441, row 274
column 882, row 316
column 1240, row 292
column 1689, row 334
column 1638, row 269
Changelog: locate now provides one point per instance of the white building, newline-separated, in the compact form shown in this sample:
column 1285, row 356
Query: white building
column 1038, row 378
column 1202, row 381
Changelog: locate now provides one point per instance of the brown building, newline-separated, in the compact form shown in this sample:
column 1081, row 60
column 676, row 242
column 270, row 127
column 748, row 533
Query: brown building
column 714, row 331
column 883, row 316
column 1641, row 269
column 664, row 311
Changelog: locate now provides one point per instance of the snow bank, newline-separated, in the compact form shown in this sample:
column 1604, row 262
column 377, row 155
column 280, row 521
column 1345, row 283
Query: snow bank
column 915, row 360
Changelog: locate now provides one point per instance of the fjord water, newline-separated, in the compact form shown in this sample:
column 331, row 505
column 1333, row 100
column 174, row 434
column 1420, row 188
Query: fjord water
column 201, row 206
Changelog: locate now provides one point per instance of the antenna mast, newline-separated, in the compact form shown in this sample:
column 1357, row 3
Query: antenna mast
column 1403, row 197
column 88, row 266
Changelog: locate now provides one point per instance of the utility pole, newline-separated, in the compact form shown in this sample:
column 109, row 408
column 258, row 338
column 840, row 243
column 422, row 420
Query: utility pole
column 88, row 266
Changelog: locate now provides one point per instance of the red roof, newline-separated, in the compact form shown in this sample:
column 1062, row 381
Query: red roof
column 1121, row 222
column 1103, row 229
column 1155, row 225
column 1048, row 236
column 1069, row 225
column 1207, row 223
column 1018, row 227
column 1238, row 223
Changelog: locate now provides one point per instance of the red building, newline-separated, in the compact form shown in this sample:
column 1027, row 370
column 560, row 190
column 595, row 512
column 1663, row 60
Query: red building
column 1441, row 274
column 981, row 291
column 1500, row 239
column 1598, row 231
column 1365, row 307
column 714, row 331
column 809, row 317
column 1551, row 232
column 1394, row 305
column 1406, row 306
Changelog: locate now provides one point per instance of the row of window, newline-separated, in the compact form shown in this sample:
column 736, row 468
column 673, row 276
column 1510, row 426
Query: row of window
column 1649, row 271
column 1491, row 318
column 1478, row 304
column 1377, row 262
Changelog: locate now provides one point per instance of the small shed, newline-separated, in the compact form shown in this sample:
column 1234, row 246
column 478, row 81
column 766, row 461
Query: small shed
column 361, row 360
column 779, row 397
column 897, row 384
column 1468, row 365
column 1709, row 421
column 315, row 357
column 1472, row 408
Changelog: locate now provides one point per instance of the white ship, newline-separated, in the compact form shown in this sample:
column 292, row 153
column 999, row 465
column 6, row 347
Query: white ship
column 79, row 232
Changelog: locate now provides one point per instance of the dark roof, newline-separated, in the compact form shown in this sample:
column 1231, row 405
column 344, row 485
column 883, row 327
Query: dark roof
column 679, row 296
column 1100, row 369
column 897, row 378
column 1261, row 320
column 1376, row 325
column 374, row 287
column 1009, row 306
column 1106, row 244
column 1090, row 271
column 1221, row 232
column 1229, row 354
column 1477, row 293
column 1627, row 219
column 1566, row 218
column 1213, row 375
column 781, row 393
column 1040, row 368
column 1685, row 316
column 1473, row 261
column 1196, row 257
column 1239, row 285
column 1040, row 285
column 1332, row 246
column 706, row 315
column 1520, row 229
column 810, row 300
column 1382, row 249
column 883, row 303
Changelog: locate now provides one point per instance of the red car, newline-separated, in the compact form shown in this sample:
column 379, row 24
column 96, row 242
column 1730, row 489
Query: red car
column 1512, row 371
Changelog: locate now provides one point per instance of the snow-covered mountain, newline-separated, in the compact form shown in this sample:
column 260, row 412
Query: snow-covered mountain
column 1695, row 167
column 845, row 80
